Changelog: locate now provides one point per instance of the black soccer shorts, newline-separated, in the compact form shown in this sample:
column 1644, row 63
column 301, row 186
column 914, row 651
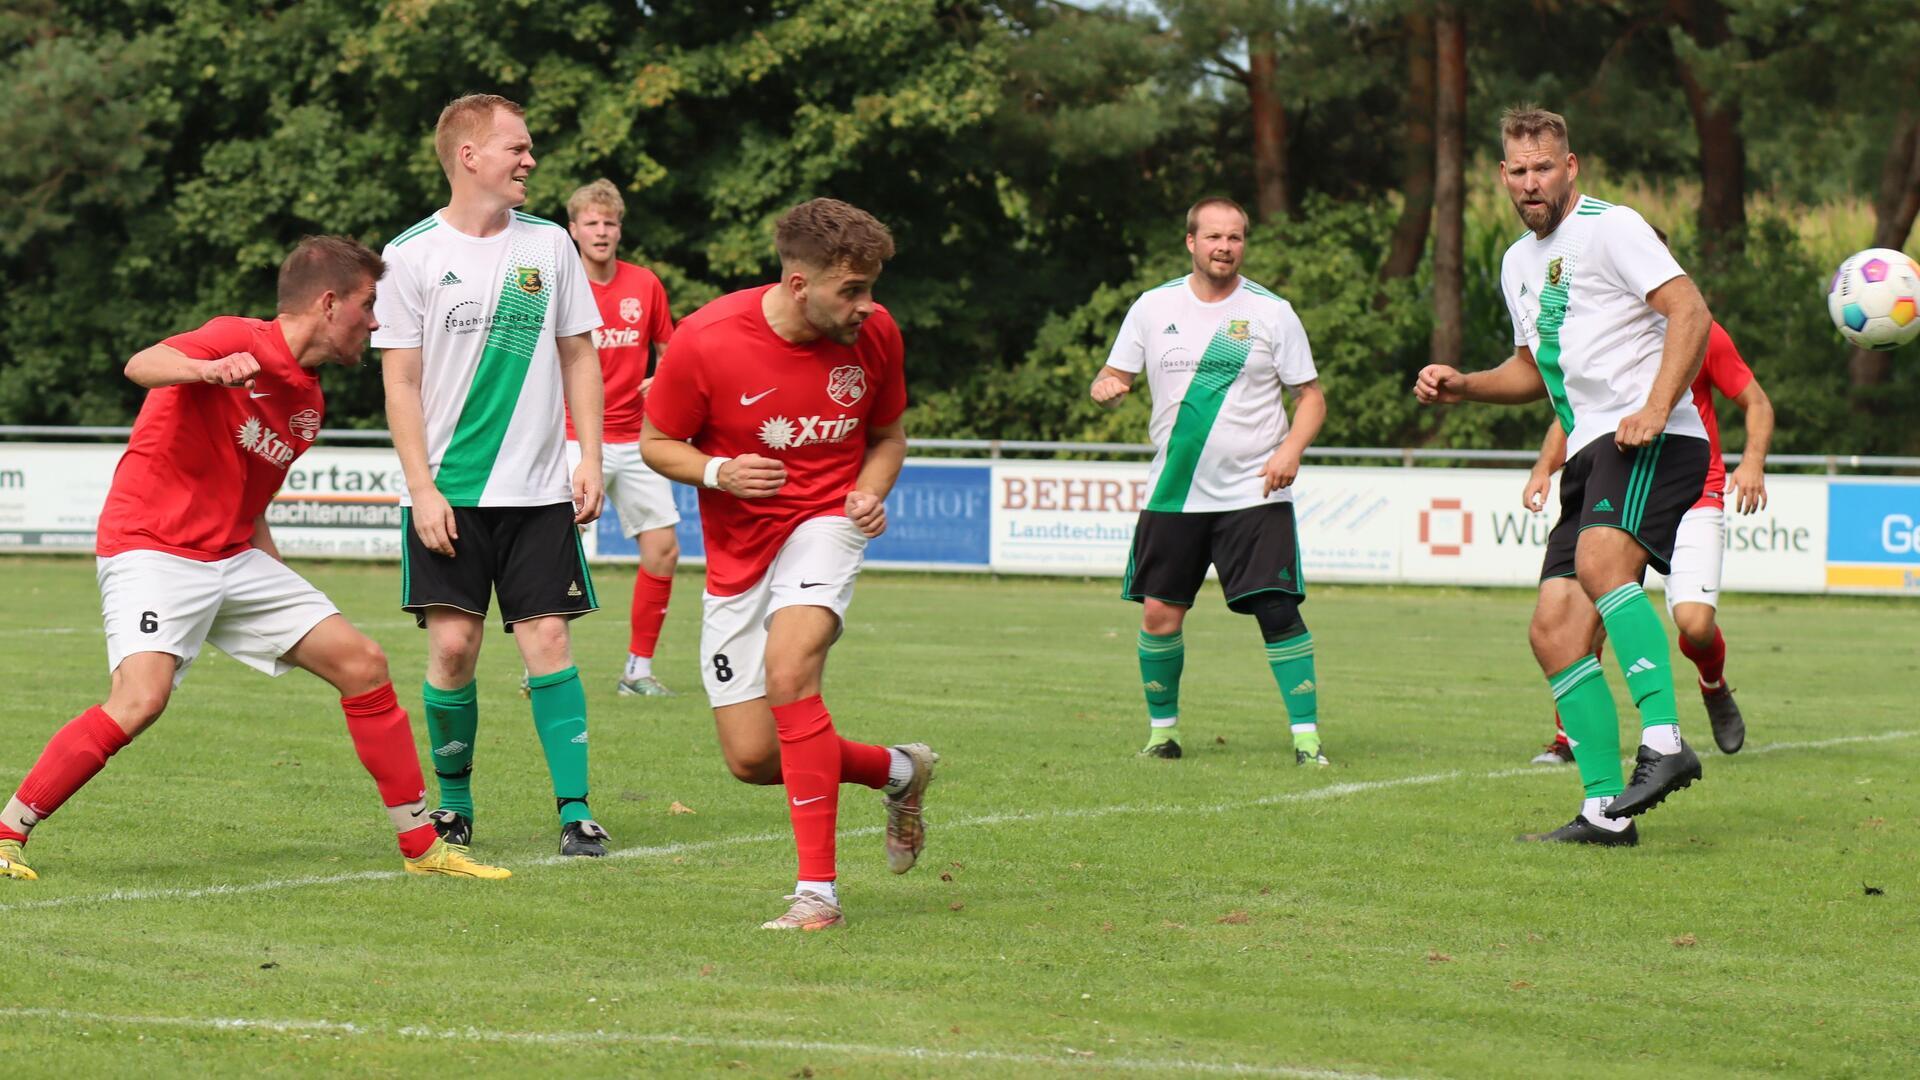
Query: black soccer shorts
column 1645, row 491
column 529, row 555
column 1255, row 550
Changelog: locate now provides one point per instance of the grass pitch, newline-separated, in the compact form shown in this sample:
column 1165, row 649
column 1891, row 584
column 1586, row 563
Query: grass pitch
column 224, row 898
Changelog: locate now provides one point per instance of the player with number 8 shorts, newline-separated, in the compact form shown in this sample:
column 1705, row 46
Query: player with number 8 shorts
column 784, row 404
column 185, row 556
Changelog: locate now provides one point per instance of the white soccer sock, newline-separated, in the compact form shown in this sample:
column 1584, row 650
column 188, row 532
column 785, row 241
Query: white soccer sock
column 1163, row 721
column 818, row 888
column 408, row 816
column 19, row 817
column 1714, row 685
column 1305, row 729
column 1594, row 810
column 899, row 770
column 638, row 667
column 1661, row 738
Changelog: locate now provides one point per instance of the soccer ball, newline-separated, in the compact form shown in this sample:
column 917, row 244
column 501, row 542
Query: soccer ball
column 1873, row 298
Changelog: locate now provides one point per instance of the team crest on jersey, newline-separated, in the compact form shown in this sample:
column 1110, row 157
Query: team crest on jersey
column 306, row 423
column 846, row 385
column 529, row 280
column 630, row 308
column 1237, row 330
column 1553, row 270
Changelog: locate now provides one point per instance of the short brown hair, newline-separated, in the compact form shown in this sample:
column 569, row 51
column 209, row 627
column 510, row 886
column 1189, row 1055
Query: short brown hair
column 1530, row 121
column 466, row 119
column 318, row 264
column 600, row 193
column 1193, row 212
column 827, row 233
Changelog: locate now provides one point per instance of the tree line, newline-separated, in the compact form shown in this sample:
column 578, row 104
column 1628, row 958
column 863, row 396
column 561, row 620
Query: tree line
column 1033, row 157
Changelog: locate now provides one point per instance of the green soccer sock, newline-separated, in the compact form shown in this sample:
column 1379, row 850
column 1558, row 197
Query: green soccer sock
column 1640, row 647
column 1593, row 728
column 560, row 716
column 1161, row 659
column 1292, row 664
column 453, row 719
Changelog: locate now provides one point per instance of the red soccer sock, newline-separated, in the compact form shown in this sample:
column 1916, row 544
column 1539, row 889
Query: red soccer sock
column 383, row 738
column 1712, row 660
column 864, row 764
column 650, row 595
column 810, row 766
column 77, row 752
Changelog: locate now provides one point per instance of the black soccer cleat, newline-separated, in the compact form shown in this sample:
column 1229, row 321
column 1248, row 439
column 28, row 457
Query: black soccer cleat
column 1582, row 831
column 1655, row 776
column 454, row 827
column 583, row 838
column 1729, row 727
column 1165, row 748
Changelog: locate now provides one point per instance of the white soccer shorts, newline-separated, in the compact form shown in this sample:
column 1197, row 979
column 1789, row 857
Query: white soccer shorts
column 815, row 567
column 252, row 607
column 1699, row 549
column 643, row 498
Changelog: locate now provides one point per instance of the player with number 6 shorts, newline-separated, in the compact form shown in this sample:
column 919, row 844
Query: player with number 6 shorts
column 784, row 404
column 185, row 556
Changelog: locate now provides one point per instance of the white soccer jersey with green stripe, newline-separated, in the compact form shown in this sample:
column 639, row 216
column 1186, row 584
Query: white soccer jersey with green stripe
column 1578, row 299
column 1216, row 372
column 485, row 313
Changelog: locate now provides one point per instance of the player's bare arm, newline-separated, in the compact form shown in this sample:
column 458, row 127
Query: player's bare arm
column 748, row 476
column 163, row 365
column 586, row 401
column 1309, row 413
column 263, row 537
column 1110, row 387
column 1515, row 382
column 1750, row 479
column 407, row 423
column 1553, row 454
column 867, row 502
column 1688, row 321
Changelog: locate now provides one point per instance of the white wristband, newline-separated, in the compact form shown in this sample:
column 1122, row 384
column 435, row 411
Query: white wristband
column 711, row 478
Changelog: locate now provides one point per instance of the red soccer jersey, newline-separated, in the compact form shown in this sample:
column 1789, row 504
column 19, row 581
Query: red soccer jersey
column 732, row 386
column 1722, row 370
column 204, row 460
column 633, row 317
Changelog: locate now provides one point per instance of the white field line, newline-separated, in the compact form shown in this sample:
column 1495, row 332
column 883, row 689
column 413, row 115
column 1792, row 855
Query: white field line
column 1069, row 1059
column 1330, row 791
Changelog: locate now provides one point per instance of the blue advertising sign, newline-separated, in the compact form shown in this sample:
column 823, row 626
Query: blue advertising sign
column 1873, row 523
column 936, row 516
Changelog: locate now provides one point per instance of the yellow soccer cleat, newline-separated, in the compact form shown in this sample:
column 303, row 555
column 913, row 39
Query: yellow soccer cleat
column 451, row 860
column 10, row 864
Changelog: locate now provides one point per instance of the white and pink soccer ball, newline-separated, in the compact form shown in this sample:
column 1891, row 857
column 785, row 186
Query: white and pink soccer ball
column 1874, row 299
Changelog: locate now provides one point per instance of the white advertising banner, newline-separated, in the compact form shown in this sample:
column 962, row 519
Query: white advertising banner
column 337, row 501
column 1415, row 526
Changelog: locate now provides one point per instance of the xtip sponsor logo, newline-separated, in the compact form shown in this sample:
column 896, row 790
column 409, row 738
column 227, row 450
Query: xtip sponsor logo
column 1445, row 527
column 780, row 433
column 610, row 337
column 263, row 440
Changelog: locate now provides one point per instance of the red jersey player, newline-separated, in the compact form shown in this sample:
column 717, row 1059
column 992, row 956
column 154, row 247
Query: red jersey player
column 185, row 556
column 784, row 403
column 635, row 326
column 1693, row 588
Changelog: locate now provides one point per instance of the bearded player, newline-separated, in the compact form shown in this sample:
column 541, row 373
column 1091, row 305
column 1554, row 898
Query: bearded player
column 185, row 556
column 783, row 403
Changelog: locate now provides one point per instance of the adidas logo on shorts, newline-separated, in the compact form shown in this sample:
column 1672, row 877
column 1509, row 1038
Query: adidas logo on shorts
column 573, row 588
column 1604, row 506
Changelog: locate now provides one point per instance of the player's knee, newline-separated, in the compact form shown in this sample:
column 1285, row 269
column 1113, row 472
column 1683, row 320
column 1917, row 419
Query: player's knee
column 364, row 668
column 1162, row 619
column 1278, row 614
column 759, row 770
column 456, row 642
column 790, row 680
column 135, row 708
column 1695, row 623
